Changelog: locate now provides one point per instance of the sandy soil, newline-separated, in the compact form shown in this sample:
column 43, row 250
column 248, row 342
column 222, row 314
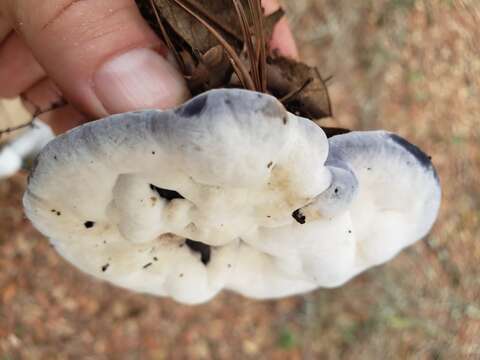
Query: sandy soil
column 408, row 66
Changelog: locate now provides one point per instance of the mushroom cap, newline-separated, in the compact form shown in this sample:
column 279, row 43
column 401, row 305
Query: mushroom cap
column 227, row 191
column 392, row 203
column 399, row 193
column 119, row 197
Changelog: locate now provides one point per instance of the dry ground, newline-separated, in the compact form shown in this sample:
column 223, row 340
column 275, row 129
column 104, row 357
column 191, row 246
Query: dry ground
column 407, row 66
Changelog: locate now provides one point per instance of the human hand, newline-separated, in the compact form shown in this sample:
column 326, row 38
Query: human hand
column 101, row 56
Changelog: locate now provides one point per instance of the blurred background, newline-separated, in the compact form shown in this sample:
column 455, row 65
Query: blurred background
column 408, row 66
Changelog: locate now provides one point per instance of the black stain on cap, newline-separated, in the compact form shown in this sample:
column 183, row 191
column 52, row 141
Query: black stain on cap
column 298, row 216
column 166, row 193
column 204, row 250
column 89, row 224
column 418, row 154
column 194, row 107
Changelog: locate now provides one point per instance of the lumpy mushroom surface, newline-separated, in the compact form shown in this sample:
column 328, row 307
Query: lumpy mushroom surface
column 227, row 191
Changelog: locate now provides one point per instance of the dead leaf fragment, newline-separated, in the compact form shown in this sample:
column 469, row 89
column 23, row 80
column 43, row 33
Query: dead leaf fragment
column 223, row 43
column 218, row 13
column 213, row 70
column 287, row 76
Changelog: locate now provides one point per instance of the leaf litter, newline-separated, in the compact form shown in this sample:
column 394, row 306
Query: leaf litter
column 224, row 43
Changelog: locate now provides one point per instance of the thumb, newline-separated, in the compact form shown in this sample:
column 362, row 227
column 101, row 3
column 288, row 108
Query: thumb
column 101, row 54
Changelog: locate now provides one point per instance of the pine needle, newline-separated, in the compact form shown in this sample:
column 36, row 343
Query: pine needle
column 237, row 64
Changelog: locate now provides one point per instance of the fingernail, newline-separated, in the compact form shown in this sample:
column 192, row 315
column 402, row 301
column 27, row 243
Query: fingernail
column 139, row 79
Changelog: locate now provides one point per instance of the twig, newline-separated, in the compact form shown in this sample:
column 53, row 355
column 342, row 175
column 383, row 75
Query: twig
column 18, row 127
column 327, row 79
column 247, row 39
column 261, row 56
column 295, row 92
column 237, row 64
column 36, row 113
column 167, row 39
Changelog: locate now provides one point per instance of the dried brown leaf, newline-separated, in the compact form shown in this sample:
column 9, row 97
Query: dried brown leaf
column 307, row 92
column 213, row 70
column 197, row 28
column 194, row 33
column 233, row 56
column 221, row 14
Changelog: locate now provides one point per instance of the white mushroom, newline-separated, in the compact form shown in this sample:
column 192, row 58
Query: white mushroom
column 388, row 198
column 27, row 145
column 227, row 191
column 399, row 193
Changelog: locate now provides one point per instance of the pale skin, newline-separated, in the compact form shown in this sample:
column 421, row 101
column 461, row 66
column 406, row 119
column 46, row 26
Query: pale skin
column 89, row 53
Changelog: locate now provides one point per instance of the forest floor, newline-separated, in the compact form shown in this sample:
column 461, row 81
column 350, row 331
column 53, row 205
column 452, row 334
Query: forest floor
column 409, row 66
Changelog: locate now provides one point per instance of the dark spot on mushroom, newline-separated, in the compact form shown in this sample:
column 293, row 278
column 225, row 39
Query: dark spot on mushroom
column 369, row 169
column 203, row 249
column 89, row 224
column 147, row 265
column 285, row 120
column 336, row 191
column 298, row 216
column 194, row 107
column 55, row 157
column 229, row 265
column 349, row 231
column 228, row 102
column 418, row 154
column 104, row 241
column 155, row 258
column 180, row 275
column 269, row 165
column 269, row 216
column 181, row 245
column 153, row 152
column 166, row 193
column 105, row 267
